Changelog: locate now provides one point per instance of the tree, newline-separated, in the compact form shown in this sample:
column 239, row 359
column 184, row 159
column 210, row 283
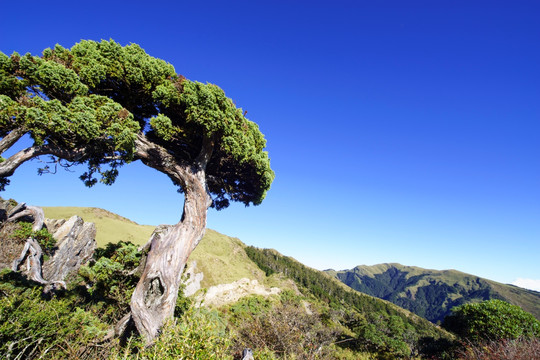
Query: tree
column 491, row 320
column 104, row 105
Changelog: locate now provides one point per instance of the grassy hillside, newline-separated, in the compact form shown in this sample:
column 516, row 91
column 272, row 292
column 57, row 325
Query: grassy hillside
column 221, row 258
column 110, row 227
column 320, row 318
column 432, row 293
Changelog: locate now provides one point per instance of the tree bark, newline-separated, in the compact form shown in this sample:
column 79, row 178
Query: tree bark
column 8, row 167
column 154, row 298
column 32, row 251
column 11, row 138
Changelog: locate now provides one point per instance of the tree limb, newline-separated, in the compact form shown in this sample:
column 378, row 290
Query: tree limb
column 8, row 167
column 205, row 154
column 11, row 138
column 36, row 213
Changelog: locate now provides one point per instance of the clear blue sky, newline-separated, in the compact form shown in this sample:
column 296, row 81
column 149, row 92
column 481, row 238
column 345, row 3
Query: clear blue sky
column 399, row 131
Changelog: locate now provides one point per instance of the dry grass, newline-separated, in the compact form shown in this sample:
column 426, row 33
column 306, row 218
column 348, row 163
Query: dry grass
column 520, row 349
column 11, row 248
column 221, row 258
column 110, row 227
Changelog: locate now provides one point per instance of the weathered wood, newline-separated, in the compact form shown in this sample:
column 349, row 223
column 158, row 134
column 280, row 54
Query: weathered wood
column 17, row 262
column 33, row 254
column 32, row 251
column 11, row 138
column 19, row 207
column 247, row 354
column 154, row 298
column 75, row 246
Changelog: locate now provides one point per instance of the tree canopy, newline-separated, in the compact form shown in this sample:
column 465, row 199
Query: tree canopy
column 103, row 105
column 92, row 103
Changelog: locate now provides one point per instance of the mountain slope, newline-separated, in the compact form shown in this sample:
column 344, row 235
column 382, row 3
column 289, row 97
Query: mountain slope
column 360, row 322
column 432, row 293
column 110, row 227
column 220, row 258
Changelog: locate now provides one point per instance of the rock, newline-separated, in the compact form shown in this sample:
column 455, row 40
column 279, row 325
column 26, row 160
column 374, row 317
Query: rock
column 192, row 282
column 229, row 293
column 75, row 246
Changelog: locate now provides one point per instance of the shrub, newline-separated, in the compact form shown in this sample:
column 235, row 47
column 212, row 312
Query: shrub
column 516, row 349
column 200, row 334
column 111, row 279
column 43, row 237
column 284, row 329
column 491, row 320
column 31, row 327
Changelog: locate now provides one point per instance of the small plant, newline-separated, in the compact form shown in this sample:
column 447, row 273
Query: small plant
column 32, row 327
column 43, row 237
column 111, row 279
column 285, row 329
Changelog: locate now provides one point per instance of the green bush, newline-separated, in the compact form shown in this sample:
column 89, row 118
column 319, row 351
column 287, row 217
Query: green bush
column 32, row 327
column 200, row 334
column 285, row 329
column 491, row 320
column 43, row 237
column 111, row 279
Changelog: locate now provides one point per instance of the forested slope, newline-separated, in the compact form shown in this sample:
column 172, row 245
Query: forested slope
column 432, row 293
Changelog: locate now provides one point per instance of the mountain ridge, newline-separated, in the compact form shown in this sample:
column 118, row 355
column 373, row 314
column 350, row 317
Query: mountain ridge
column 432, row 293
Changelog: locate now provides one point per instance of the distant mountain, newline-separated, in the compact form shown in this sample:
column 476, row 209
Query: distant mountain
column 432, row 293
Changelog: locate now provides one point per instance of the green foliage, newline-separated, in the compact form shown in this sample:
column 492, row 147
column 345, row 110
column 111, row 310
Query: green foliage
column 328, row 290
column 281, row 329
column 43, row 237
column 387, row 336
column 111, row 279
column 99, row 96
column 378, row 327
column 32, row 327
column 431, row 293
column 200, row 334
column 492, row 320
column 250, row 305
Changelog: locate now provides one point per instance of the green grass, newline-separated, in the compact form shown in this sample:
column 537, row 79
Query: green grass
column 110, row 227
column 221, row 258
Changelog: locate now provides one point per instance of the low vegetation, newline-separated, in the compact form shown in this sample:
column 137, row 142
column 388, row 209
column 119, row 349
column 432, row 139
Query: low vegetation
column 314, row 317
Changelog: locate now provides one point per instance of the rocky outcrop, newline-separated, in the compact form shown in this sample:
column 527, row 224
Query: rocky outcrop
column 192, row 279
column 229, row 293
column 75, row 246
column 222, row 294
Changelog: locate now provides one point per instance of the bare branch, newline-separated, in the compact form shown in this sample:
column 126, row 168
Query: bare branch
column 8, row 167
column 11, row 138
column 35, row 212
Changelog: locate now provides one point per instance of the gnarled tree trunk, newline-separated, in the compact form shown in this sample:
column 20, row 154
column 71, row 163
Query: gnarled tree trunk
column 154, row 298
